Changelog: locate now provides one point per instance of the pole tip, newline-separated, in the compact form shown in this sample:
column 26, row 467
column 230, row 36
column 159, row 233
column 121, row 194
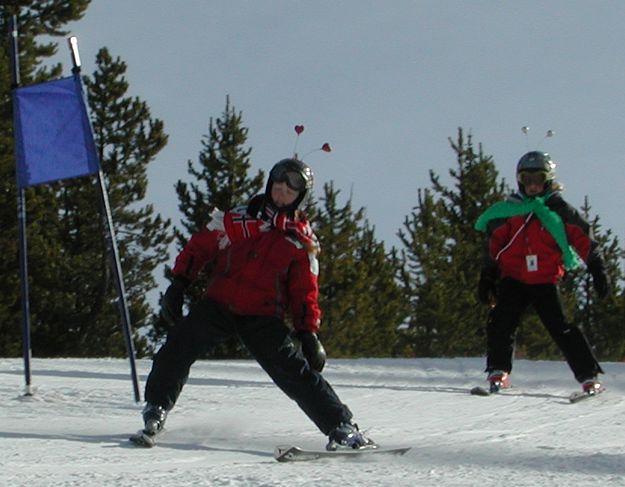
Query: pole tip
column 73, row 46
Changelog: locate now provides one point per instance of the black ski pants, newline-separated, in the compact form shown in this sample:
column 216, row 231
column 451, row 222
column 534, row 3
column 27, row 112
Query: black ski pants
column 513, row 299
column 269, row 341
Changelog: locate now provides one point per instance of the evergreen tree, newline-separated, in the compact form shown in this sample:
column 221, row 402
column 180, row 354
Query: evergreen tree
column 220, row 181
column 423, row 263
column 128, row 140
column 360, row 298
column 442, row 256
column 35, row 18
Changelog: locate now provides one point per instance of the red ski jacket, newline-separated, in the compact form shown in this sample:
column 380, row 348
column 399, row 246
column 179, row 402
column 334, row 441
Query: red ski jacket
column 524, row 250
column 256, row 268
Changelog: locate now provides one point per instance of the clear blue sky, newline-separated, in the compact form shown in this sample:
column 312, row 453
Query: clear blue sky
column 385, row 83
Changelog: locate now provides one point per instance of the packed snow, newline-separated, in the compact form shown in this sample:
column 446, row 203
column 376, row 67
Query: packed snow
column 74, row 430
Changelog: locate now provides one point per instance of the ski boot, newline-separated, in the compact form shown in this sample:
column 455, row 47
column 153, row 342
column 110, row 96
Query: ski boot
column 347, row 436
column 154, row 419
column 497, row 380
column 592, row 386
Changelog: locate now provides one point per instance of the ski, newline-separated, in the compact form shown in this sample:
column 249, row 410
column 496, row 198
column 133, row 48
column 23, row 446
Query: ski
column 291, row 453
column 578, row 396
column 141, row 438
column 480, row 391
column 483, row 391
column 574, row 397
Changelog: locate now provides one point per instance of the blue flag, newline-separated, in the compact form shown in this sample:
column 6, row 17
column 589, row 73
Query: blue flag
column 53, row 136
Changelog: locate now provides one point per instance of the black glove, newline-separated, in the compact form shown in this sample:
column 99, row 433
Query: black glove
column 312, row 349
column 172, row 300
column 599, row 278
column 487, row 285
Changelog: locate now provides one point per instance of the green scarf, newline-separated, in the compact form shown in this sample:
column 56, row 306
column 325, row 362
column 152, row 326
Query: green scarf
column 549, row 218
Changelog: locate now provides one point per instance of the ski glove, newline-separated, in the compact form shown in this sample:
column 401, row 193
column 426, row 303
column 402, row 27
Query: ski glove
column 312, row 349
column 300, row 228
column 487, row 285
column 599, row 278
column 172, row 300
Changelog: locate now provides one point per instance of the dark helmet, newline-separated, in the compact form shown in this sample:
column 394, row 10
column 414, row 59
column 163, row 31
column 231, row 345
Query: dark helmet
column 297, row 175
column 536, row 162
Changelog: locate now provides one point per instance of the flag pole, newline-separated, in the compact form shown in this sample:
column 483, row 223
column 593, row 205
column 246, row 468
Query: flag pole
column 111, row 242
column 21, row 224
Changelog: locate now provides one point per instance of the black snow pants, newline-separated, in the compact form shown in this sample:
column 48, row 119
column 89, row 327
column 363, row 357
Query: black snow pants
column 513, row 299
column 269, row 341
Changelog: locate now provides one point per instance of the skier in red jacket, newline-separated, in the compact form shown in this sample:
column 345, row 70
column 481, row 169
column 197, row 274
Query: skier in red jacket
column 532, row 238
column 262, row 262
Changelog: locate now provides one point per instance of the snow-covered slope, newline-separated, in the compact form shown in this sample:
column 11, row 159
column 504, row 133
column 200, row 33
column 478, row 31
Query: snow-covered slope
column 74, row 430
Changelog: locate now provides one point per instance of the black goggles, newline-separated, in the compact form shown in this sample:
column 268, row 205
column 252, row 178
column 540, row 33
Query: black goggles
column 293, row 180
column 528, row 178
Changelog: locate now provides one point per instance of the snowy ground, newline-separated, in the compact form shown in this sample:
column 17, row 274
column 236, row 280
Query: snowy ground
column 73, row 431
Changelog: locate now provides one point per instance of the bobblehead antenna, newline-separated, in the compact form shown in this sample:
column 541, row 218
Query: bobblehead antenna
column 298, row 130
column 548, row 134
column 525, row 129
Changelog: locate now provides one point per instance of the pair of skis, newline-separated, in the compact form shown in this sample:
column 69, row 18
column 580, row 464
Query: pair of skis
column 574, row 397
column 291, row 453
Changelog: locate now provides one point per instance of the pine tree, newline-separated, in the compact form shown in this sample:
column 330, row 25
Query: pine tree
column 220, row 181
column 423, row 259
column 383, row 308
column 360, row 298
column 35, row 18
column 128, row 140
column 442, row 256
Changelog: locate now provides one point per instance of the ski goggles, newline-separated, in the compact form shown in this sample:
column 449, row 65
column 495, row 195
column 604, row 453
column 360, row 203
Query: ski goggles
column 529, row 178
column 293, row 180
